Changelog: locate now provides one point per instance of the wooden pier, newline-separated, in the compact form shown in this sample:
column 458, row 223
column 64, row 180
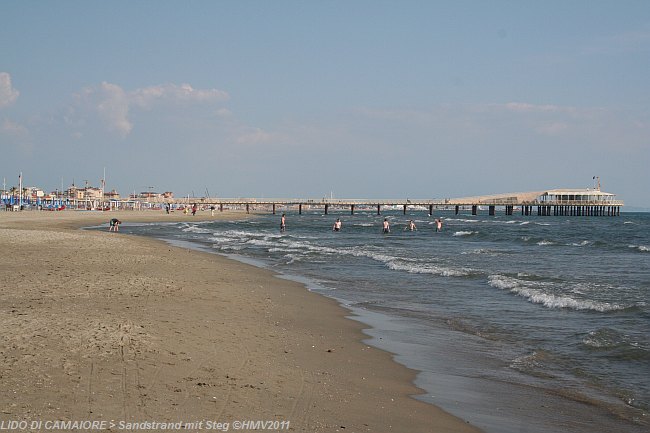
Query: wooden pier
column 560, row 202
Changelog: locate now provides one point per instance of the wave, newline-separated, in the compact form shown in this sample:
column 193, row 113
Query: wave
column 276, row 243
column 603, row 338
column 641, row 248
column 534, row 364
column 296, row 250
column 545, row 242
column 427, row 269
column 616, row 344
column 195, row 229
column 283, row 250
column 462, row 220
column 483, row 251
column 244, row 234
column 531, row 291
column 465, row 233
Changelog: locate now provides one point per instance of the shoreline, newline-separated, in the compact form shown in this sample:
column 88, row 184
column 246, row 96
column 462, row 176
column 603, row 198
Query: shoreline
column 257, row 346
column 441, row 365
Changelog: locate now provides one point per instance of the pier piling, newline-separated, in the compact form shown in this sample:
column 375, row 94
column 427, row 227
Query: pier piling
column 561, row 202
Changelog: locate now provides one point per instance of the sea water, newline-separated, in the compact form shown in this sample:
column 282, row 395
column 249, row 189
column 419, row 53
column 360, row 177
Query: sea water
column 515, row 323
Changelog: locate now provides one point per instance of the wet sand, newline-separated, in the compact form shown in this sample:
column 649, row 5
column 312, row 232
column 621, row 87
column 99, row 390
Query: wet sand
column 107, row 326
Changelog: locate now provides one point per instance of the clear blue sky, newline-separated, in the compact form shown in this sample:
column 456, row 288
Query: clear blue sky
column 419, row 99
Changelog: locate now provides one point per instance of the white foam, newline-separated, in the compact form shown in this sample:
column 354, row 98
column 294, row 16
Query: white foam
column 545, row 242
column 606, row 338
column 380, row 257
column 195, row 229
column 549, row 300
column 526, row 362
column 246, row 234
column 292, row 258
column 221, row 239
column 260, row 243
column 427, row 269
column 481, row 251
column 462, row 220
column 464, row 233
column 283, row 250
column 642, row 248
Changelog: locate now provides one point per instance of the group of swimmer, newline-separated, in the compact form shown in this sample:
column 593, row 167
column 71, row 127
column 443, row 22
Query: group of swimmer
column 410, row 226
column 338, row 225
column 114, row 224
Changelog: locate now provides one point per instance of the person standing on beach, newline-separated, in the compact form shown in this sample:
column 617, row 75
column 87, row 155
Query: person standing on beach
column 283, row 223
column 212, row 210
column 194, row 208
column 337, row 225
column 386, row 226
column 439, row 225
column 114, row 225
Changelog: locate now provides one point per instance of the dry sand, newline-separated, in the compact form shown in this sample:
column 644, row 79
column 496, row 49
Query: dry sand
column 105, row 326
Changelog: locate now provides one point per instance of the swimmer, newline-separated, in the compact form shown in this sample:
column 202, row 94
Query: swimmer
column 411, row 226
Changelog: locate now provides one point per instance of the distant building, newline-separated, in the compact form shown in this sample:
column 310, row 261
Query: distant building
column 35, row 192
column 112, row 195
column 75, row 193
column 87, row 193
column 168, row 194
column 92, row 193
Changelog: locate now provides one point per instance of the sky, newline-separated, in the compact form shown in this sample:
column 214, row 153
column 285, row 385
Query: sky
column 353, row 99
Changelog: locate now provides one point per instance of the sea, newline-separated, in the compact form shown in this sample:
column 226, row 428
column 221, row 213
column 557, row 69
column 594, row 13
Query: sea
column 514, row 323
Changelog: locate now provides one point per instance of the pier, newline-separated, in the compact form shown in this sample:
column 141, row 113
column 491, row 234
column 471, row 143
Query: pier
column 557, row 202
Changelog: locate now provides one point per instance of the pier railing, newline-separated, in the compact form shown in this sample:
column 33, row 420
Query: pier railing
column 604, row 204
column 509, row 201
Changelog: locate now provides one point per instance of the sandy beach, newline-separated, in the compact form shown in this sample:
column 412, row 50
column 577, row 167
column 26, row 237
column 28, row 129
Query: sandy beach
column 107, row 326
